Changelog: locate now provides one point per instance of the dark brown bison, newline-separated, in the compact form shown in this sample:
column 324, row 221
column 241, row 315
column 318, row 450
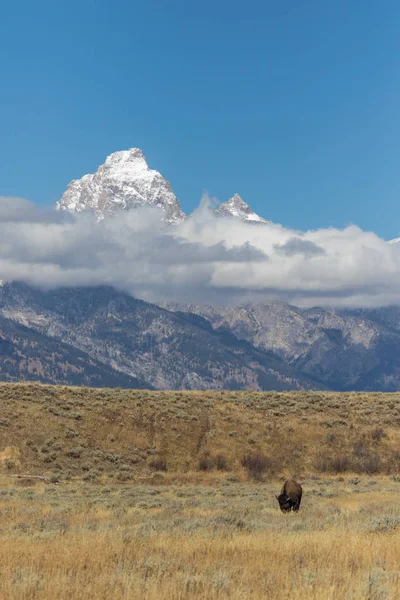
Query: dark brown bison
column 290, row 496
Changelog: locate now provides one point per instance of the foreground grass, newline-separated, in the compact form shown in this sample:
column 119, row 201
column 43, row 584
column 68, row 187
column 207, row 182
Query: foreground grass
column 230, row 540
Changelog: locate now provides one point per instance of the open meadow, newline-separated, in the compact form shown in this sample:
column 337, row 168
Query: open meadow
column 172, row 495
column 226, row 540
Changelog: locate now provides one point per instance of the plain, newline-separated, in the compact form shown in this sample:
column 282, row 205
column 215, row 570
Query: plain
column 172, row 495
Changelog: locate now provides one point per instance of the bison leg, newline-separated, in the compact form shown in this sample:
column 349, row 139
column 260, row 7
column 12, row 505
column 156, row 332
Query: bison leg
column 296, row 505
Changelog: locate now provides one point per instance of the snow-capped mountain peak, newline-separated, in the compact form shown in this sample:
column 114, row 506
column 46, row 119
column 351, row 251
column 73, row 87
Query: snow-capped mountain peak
column 237, row 207
column 124, row 181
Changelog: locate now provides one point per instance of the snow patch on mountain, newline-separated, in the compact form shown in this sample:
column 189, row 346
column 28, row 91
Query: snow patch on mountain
column 124, row 181
column 237, row 207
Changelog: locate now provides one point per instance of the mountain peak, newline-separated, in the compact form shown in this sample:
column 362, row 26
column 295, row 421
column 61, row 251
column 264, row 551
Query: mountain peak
column 237, row 207
column 132, row 155
column 124, row 181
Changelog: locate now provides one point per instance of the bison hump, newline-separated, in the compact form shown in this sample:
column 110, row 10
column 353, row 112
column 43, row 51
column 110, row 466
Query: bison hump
column 292, row 488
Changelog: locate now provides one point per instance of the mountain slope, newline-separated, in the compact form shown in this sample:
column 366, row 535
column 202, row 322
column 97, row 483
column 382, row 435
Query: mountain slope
column 168, row 350
column 237, row 208
column 26, row 355
column 124, row 182
column 261, row 346
column 344, row 350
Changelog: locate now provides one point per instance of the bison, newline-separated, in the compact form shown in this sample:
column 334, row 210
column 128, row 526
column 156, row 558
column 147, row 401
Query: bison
column 290, row 496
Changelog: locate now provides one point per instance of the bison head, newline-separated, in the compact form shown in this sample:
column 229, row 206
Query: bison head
column 285, row 503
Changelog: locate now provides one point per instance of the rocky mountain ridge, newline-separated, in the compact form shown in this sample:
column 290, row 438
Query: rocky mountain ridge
column 181, row 346
column 28, row 355
column 169, row 350
column 237, row 208
column 262, row 346
column 125, row 182
column 342, row 349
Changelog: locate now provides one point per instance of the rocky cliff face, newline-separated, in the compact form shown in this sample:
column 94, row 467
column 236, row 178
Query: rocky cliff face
column 237, row 208
column 168, row 350
column 343, row 350
column 27, row 355
column 263, row 346
column 124, row 182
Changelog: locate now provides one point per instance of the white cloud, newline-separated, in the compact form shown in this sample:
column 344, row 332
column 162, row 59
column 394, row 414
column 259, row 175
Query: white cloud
column 206, row 259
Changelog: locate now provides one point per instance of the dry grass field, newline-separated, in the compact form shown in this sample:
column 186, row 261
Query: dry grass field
column 227, row 540
column 171, row 495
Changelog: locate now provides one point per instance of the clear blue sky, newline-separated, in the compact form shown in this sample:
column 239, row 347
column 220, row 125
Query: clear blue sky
column 295, row 105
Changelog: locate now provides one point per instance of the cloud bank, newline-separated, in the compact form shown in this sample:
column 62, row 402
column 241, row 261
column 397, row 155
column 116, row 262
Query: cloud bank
column 207, row 259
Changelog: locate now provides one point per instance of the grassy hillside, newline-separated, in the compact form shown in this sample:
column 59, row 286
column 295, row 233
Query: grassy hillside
column 103, row 434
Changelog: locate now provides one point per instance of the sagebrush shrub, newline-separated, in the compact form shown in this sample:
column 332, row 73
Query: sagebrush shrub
column 220, row 462
column 256, row 464
column 207, row 462
column 378, row 433
column 158, row 464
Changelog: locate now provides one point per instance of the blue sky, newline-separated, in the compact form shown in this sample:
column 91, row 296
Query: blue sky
column 294, row 105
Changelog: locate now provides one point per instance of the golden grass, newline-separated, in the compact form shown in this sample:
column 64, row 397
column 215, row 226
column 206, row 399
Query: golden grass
column 184, row 542
column 115, row 529
column 117, row 434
